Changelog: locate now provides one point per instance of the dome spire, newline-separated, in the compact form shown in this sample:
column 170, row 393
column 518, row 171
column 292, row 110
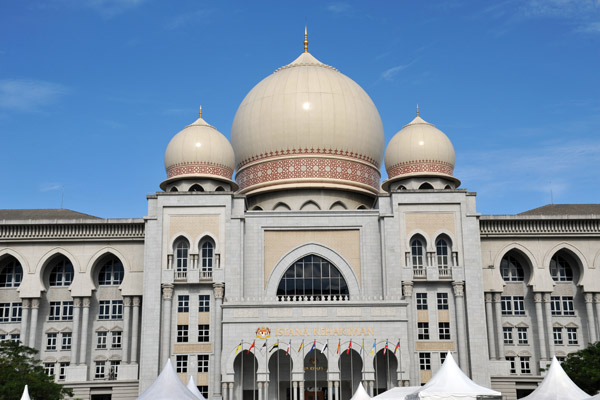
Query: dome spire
column 305, row 39
column 417, row 110
column 200, row 113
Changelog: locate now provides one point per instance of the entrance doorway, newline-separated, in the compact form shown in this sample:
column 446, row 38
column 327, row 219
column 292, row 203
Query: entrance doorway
column 318, row 395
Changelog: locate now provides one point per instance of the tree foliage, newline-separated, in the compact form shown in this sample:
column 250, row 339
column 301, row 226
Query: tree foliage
column 18, row 367
column 583, row 367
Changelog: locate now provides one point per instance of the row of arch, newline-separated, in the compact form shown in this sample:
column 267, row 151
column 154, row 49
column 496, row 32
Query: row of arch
column 310, row 205
column 198, row 188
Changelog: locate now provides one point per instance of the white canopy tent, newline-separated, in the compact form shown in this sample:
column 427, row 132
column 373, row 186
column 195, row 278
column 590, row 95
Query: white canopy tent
column 167, row 386
column 451, row 383
column 361, row 393
column 397, row 393
column 25, row 394
column 557, row 385
column 596, row 397
column 191, row 385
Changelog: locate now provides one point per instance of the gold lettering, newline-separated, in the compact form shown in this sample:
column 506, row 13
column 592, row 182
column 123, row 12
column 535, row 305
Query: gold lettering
column 370, row 331
column 298, row 332
column 305, row 332
column 363, row 332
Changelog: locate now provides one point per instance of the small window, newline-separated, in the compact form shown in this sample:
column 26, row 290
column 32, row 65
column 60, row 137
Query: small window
column 111, row 273
column 10, row 312
column 522, row 335
column 508, row 335
column 511, row 269
column 173, row 189
column 512, row 362
column 416, row 251
column 101, row 340
column 421, row 301
column 51, row 342
column 183, row 303
column 11, row 273
column 572, row 336
column 182, row 249
column 525, row 367
column 49, row 369
column 207, row 247
column 562, row 305
column 423, row 330
column 61, row 273
column 424, row 361
column 442, row 301
column 560, row 269
column 444, row 330
column 61, row 311
column 557, row 334
column 426, row 185
column 114, row 370
column 203, row 390
column 203, row 303
column 181, row 364
column 62, row 371
column 100, row 370
column 182, row 333
column 117, row 340
column 202, row 362
column 67, row 338
column 196, row 188
column 110, row 309
column 203, row 333
column 442, row 251
column 219, row 189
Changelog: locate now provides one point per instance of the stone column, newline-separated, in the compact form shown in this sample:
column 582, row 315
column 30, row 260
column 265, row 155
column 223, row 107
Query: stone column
column 266, row 396
column 336, row 390
column 371, row 387
column 230, row 391
column 548, row 317
column 224, row 391
column 537, row 297
column 165, row 334
column 329, row 388
column 459, row 301
column 597, row 305
column 25, row 303
column 407, row 293
column 135, row 329
column 126, row 328
column 85, row 322
column 589, row 310
column 301, row 390
column 295, row 390
column 498, row 312
column 75, row 338
column 260, row 391
column 490, row 325
column 219, row 289
column 35, row 308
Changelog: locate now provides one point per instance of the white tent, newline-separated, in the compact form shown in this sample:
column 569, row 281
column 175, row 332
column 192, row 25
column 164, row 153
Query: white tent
column 167, row 386
column 194, row 389
column 596, row 397
column 452, row 384
column 25, row 394
column 397, row 393
column 557, row 385
column 361, row 393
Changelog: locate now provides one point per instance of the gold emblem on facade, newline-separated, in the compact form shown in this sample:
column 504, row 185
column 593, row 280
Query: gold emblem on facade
column 263, row 332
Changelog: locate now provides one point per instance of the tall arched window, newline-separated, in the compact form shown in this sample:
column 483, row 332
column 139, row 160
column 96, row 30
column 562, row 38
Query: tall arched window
column 61, row 273
column 207, row 248
column 416, row 252
column 312, row 276
column 182, row 251
column 560, row 269
column 11, row 273
column 511, row 269
column 442, row 251
column 111, row 272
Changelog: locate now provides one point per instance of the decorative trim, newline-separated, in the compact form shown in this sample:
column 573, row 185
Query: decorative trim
column 411, row 167
column 528, row 225
column 87, row 230
column 307, row 168
column 196, row 168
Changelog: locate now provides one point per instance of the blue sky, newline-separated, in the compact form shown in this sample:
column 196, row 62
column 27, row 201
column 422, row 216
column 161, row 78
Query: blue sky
column 91, row 91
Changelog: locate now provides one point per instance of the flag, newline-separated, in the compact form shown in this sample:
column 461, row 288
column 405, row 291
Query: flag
column 362, row 346
column 264, row 345
column 374, row 344
column 324, row 347
column 238, row 348
column 338, row 348
column 386, row 346
column 301, row 346
column 251, row 347
column 275, row 346
column 288, row 349
column 397, row 347
column 349, row 347
column 312, row 347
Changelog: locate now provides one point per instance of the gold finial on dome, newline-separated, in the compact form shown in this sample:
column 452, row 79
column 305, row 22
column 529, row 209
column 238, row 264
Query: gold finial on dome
column 200, row 112
column 305, row 39
column 417, row 110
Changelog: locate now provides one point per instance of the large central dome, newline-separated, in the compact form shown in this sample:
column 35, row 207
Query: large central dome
column 307, row 126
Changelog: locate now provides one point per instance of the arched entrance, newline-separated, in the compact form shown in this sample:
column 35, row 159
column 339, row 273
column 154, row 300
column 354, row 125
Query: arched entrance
column 280, row 376
column 315, row 376
column 385, row 371
column 351, row 366
column 245, row 366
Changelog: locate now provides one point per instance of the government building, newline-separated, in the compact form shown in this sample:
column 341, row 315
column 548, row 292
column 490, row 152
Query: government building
column 279, row 265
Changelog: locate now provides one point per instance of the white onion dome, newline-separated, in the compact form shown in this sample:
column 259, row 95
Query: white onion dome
column 307, row 125
column 199, row 151
column 419, row 149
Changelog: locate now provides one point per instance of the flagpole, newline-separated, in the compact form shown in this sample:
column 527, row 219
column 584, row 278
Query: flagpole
column 316, row 362
column 254, row 374
column 387, row 373
column 375, row 362
column 351, row 369
column 242, row 356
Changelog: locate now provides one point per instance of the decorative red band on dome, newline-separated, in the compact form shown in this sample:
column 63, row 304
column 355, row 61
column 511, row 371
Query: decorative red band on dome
column 199, row 169
column 303, row 168
column 412, row 167
column 288, row 152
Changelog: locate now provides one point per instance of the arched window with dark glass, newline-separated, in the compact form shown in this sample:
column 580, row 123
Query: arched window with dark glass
column 442, row 252
column 561, row 269
column 416, row 252
column 511, row 269
column 312, row 276
column 61, row 273
column 182, row 250
column 11, row 273
column 111, row 272
column 207, row 249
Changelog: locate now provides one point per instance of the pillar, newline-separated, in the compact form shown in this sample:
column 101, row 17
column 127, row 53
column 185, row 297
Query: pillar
column 408, row 362
column 597, row 305
column 336, row 390
column 301, row 390
column 225, row 391
column 75, row 337
column 498, row 312
column 260, row 391
column 219, row 289
column 548, row 318
column 329, row 388
column 541, row 328
column 25, row 303
column 295, row 390
column 230, row 391
column 135, row 329
column 35, row 308
column 126, row 324
column 459, row 301
column 85, row 319
column 165, row 334
column 489, row 314
column 371, row 386
column 589, row 310
column 266, row 392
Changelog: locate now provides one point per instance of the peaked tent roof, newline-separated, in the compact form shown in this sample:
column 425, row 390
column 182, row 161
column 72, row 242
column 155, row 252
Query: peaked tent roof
column 167, row 386
column 451, row 383
column 397, row 393
column 557, row 385
column 361, row 393
column 25, row 394
column 191, row 385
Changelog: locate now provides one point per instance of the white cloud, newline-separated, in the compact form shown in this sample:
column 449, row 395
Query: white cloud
column 390, row 73
column 48, row 187
column 592, row 27
column 110, row 8
column 339, row 8
column 28, row 95
column 181, row 20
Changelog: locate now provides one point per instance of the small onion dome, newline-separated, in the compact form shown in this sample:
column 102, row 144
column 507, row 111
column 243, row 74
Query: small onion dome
column 419, row 150
column 199, row 151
